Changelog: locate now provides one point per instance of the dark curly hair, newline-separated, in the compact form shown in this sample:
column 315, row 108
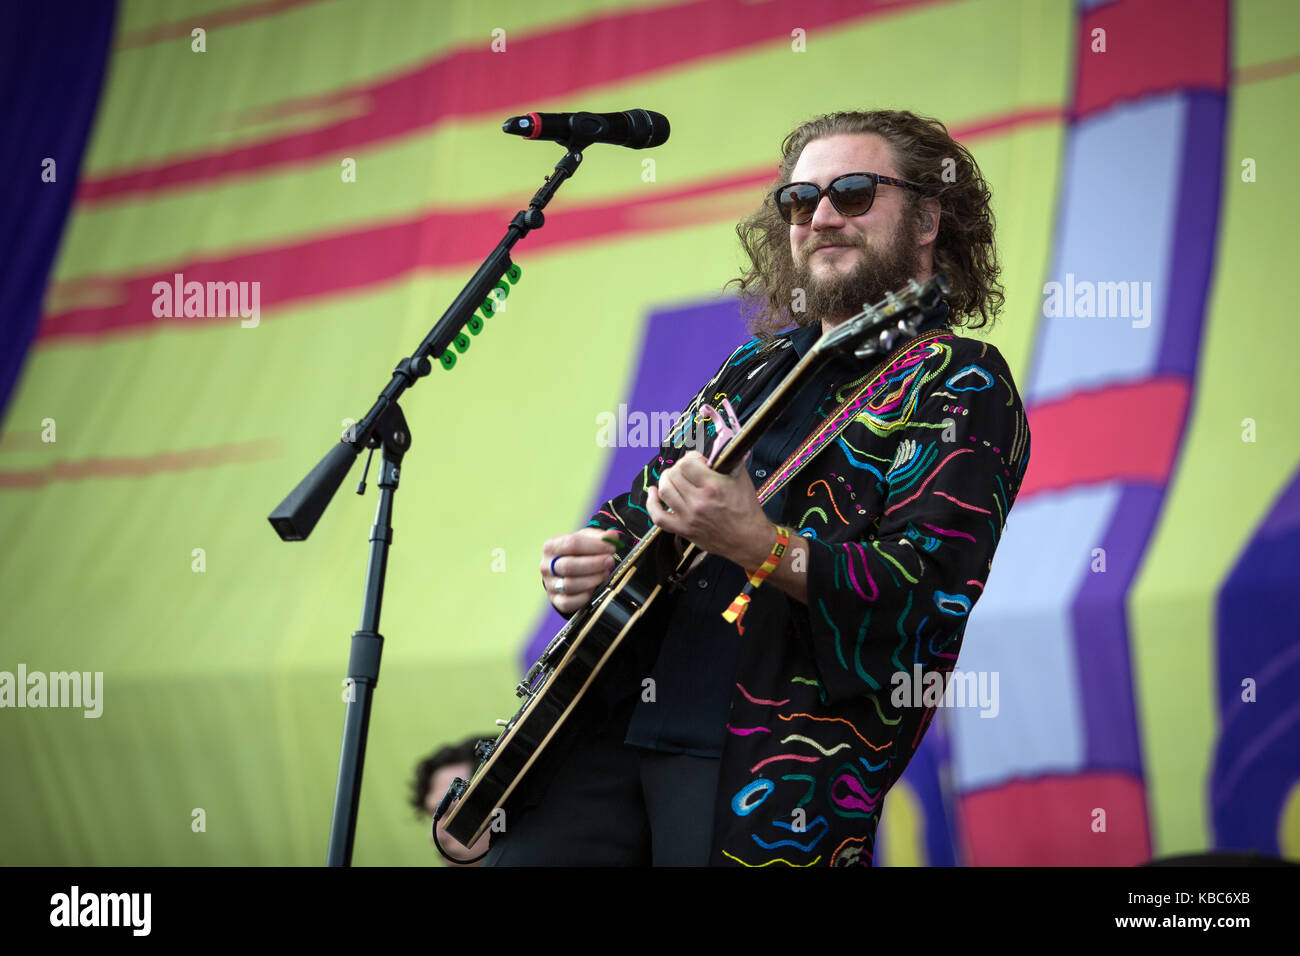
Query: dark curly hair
column 924, row 154
column 462, row 752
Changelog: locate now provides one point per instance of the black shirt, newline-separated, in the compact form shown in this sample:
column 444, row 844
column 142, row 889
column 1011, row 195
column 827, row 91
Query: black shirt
column 692, row 676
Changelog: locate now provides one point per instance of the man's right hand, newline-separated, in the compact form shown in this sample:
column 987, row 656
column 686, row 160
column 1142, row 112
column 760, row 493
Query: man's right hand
column 582, row 563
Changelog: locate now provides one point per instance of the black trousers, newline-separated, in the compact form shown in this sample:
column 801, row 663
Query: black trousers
column 601, row 802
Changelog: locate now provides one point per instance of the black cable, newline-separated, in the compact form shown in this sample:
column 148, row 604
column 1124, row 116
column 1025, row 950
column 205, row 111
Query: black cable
column 453, row 793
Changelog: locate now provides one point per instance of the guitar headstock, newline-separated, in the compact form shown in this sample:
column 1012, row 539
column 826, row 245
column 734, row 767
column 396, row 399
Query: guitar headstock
column 879, row 328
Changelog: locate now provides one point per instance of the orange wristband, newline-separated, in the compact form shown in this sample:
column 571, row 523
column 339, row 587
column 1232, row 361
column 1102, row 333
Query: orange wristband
column 740, row 604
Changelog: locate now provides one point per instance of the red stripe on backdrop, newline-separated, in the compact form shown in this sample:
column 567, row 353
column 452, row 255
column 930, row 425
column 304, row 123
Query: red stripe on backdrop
column 1124, row 432
column 327, row 266
column 1151, row 47
column 141, row 465
column 97, row 305
column 1270, row 70
column 209, row 21
column 469, row 83
column 1052, row 821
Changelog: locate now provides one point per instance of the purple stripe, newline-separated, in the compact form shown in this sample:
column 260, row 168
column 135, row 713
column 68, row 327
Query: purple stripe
column 1100, row 622
column 54, row 57
column 1101, row 643
column 1256, row 760
column 1196, row 230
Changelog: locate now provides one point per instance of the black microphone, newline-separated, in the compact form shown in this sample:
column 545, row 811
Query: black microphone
column 638, row 129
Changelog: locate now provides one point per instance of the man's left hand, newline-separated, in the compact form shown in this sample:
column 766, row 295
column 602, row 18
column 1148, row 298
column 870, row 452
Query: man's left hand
column 718, row 513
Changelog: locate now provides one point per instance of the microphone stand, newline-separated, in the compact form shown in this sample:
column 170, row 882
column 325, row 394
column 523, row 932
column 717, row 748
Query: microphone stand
column 384, row 427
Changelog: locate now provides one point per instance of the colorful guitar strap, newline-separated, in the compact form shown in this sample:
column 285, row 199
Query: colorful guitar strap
column 837, row 421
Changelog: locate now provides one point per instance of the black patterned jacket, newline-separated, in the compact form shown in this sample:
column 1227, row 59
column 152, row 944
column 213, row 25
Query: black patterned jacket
column 903, row 512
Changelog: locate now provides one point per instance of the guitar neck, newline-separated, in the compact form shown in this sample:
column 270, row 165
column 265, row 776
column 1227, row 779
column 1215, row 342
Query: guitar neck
column 765, row 417
column 876, row 332
column 735, row 450
column 924, row 302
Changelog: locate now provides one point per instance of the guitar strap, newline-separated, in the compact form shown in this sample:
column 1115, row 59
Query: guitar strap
column 837, row 421
column 826, row 431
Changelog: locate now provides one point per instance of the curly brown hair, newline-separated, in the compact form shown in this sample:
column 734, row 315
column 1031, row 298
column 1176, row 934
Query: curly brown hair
column 924, row 154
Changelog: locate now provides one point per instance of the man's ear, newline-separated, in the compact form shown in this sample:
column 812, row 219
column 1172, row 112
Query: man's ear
column 928, row 219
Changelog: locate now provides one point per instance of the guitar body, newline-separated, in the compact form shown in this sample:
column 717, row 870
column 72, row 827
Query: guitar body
column 573, row 660
column 562, row 676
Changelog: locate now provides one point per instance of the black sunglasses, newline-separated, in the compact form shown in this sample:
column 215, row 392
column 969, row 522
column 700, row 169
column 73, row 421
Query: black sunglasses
column 851, row 194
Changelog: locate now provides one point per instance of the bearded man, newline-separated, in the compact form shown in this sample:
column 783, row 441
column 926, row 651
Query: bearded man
column 774, row 740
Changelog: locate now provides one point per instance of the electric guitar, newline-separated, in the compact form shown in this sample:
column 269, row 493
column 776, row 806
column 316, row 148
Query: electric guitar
column 569, row 665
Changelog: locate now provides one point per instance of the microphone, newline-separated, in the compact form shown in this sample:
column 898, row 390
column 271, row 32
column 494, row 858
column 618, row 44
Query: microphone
column 637, row 129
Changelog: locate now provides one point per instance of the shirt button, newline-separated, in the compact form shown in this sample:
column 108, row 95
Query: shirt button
column 761, row 473
column 702, row 584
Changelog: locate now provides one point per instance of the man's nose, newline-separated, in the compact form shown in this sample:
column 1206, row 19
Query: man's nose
column 826, row 216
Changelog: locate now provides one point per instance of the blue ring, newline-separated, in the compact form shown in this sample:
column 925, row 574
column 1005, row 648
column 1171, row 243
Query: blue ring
column 553, row 560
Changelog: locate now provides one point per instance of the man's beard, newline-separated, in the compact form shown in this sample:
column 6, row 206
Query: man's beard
column 836, row 296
